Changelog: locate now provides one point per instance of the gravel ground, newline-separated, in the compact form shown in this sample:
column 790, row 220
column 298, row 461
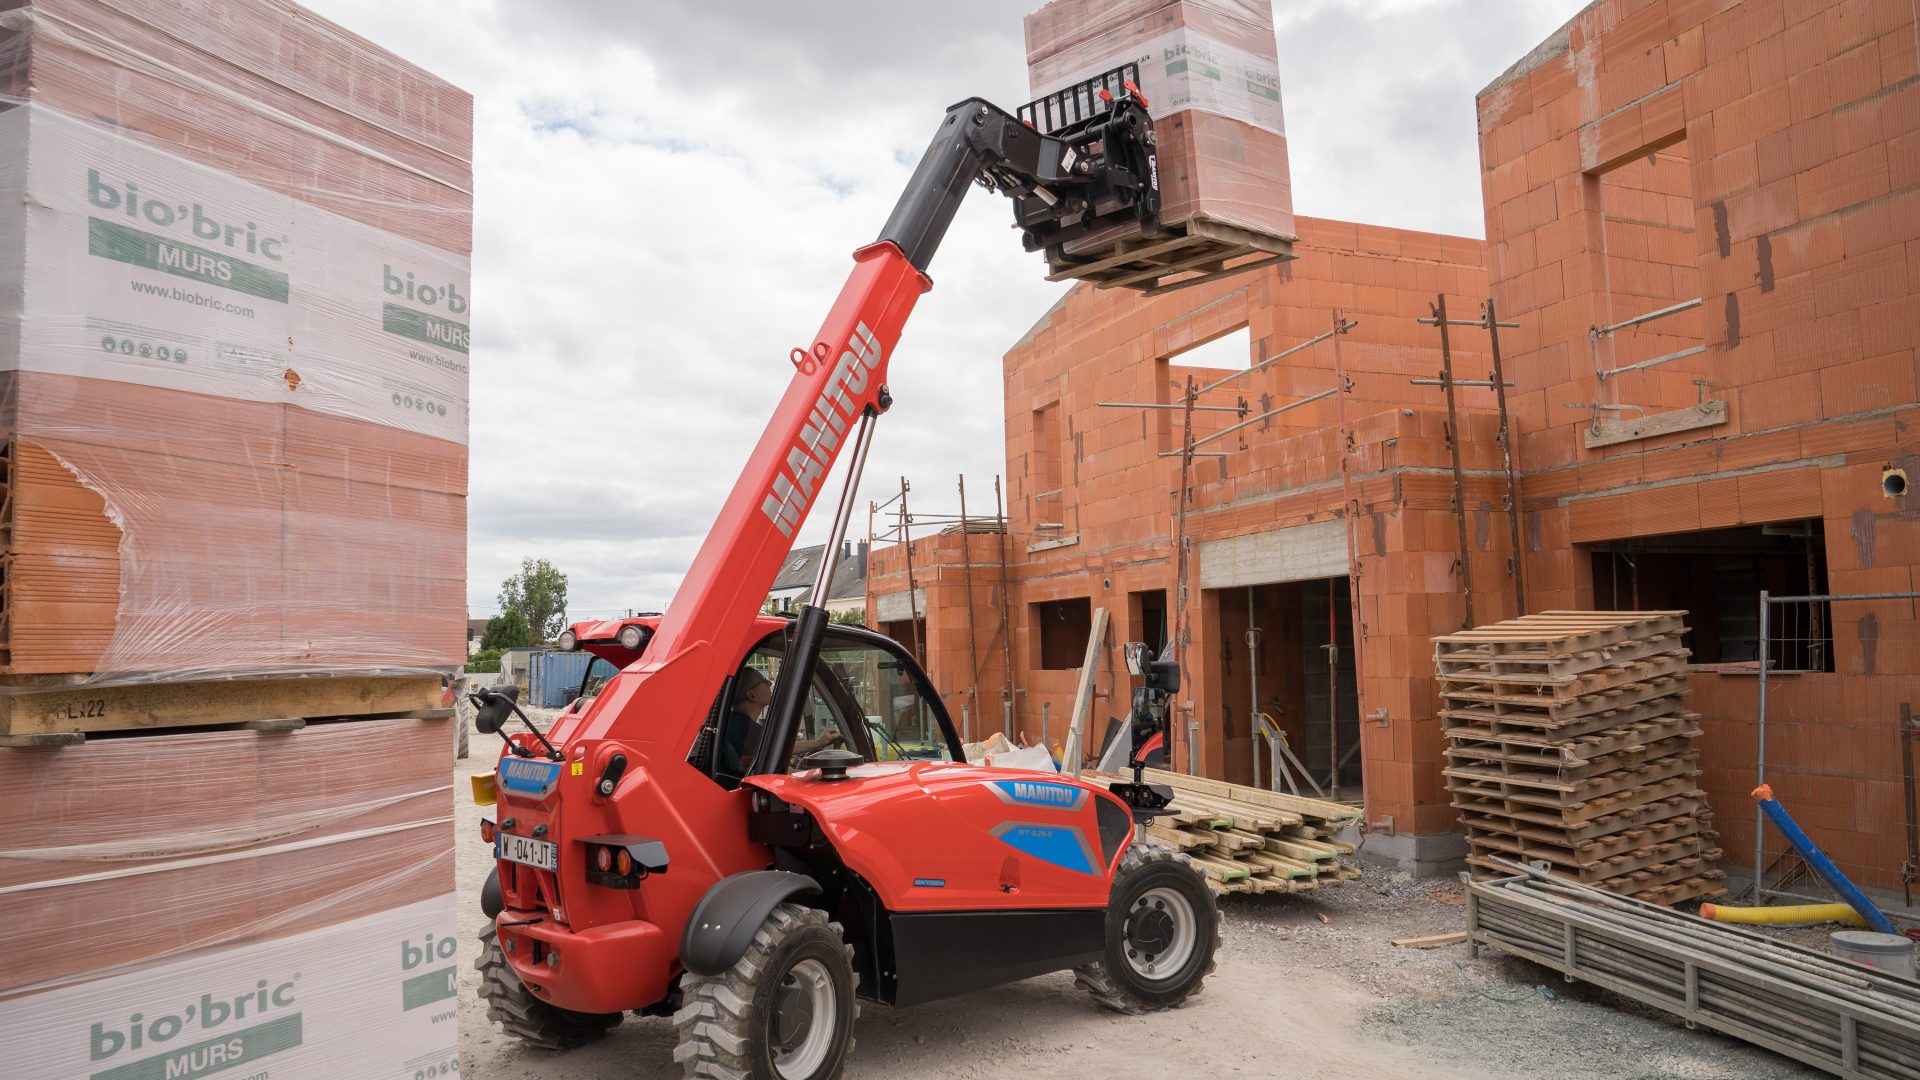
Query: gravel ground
column 1308, row 985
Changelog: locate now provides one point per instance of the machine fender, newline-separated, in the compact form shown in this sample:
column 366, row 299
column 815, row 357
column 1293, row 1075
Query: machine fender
column 491, row 900
column 723, row 923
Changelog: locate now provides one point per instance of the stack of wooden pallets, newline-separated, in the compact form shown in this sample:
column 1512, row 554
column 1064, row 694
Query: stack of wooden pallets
column 1571, row 745
column 1247, row 840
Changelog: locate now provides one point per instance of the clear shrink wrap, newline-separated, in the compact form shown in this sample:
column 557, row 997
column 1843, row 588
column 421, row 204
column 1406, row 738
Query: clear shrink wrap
column 180, row 905
column 234, row 312
column 1211, row 76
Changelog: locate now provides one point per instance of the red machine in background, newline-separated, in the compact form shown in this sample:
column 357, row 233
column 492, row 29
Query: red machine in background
column 759, row 817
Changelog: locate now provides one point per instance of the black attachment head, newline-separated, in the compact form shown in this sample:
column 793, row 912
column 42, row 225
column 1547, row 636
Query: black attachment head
column 833, row 763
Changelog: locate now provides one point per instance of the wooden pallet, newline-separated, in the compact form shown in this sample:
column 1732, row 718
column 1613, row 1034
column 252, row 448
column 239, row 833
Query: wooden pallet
column 34, row 706
column 1550, row 826
column 1573, row 781
column 1549, row 752
column 1584, row 757
column 1633, row 879
column 1542, row 666
column 1595, row 813
column 1564, row 633
column 1595, row 856
column 1555, row 714
column 1523, row 690
column 1485, row 724
column 1199, row 251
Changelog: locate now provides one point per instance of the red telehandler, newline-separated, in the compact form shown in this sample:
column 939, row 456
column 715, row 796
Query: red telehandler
column 666, row 849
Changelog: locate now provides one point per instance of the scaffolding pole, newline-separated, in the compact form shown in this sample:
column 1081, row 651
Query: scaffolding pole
column 1181, row 624
column 1352, row 514
column 1006, row 617
column 966, row 564
column 1518, row 564
column 913, row 603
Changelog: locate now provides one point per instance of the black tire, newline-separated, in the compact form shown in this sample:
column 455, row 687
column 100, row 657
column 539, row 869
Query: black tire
column 730, row 1024
column 526, row 1017
column 1159, row 898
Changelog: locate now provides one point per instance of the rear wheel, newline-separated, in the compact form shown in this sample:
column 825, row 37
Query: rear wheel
column 1162, row 933
column 784, row 1011
column 536, row 1023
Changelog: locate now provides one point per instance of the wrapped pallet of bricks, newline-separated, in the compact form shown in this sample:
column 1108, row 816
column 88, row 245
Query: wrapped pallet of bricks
column 233, row 370
column 1211, row 78
column 234, row 310
column 230, row 904
column 1571, row 748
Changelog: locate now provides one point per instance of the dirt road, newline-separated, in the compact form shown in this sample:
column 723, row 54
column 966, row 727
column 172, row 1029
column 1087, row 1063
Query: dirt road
column 1308, row 986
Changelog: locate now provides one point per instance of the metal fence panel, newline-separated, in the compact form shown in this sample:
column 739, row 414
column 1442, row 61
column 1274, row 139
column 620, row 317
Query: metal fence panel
column 1840, row 749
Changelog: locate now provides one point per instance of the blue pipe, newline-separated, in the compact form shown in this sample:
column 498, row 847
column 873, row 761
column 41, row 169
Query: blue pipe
column 1817, row 859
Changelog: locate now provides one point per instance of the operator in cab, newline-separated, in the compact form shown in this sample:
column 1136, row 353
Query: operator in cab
column 741, row 732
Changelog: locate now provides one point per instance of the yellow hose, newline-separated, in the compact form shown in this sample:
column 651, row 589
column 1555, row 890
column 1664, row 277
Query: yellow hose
column 1783, row 916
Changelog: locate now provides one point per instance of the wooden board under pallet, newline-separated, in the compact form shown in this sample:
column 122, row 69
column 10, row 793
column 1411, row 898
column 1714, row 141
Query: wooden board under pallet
column 41, row 705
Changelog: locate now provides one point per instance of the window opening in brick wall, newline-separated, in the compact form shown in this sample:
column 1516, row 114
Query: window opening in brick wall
column 1062, row 629
column 1649, row 260
column 1148, row 612
column 1716, row 576
column 1046, row 472
column 1231, row 351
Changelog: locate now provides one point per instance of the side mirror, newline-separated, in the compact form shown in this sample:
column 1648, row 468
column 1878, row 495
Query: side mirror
column 1137, row 657
column 493, row 707
column 1164, row 676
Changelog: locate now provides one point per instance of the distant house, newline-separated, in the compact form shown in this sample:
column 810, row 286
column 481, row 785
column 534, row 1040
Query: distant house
column 476, row 629
column 846, row 592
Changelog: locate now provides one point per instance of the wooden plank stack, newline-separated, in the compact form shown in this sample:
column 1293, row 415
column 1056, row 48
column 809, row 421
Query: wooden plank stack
column 1570, row 744
column 1247, row 840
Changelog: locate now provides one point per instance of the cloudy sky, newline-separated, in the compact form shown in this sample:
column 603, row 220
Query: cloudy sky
column 668, row 192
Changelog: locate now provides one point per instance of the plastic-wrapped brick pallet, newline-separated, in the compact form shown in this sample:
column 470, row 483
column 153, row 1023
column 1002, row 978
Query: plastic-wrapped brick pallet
column 1210, row 72
column 230, row 904
column 233, row 344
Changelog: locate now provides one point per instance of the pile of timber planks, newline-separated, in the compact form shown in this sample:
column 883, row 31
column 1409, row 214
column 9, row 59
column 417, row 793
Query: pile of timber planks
column 1570, row 743
column 1247, row 840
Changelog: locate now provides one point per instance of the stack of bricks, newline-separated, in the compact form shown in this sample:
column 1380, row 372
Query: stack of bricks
column 233, row 405
column 1571, row 745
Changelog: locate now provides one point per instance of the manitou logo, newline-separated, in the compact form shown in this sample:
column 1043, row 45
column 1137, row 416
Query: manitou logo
column 811, row 455
column 1044, row 793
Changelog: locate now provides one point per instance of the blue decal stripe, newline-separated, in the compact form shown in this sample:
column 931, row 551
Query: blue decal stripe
column 1059, row 845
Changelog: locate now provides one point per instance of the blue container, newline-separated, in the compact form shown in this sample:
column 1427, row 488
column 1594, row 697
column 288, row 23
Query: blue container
column 555, row 677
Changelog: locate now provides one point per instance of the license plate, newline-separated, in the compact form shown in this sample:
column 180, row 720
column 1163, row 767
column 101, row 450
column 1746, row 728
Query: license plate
column 540, row 854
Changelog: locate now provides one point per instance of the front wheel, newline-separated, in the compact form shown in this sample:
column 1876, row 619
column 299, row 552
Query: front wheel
column 1162, row 933
column 784, row 1011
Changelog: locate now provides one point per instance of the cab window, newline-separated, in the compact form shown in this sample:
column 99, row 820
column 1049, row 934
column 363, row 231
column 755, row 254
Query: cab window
column 898, row 722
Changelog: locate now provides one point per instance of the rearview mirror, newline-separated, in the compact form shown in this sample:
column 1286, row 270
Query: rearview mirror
column 492, row 708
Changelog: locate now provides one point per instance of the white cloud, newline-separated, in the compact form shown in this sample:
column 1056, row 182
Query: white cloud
column 668, row 193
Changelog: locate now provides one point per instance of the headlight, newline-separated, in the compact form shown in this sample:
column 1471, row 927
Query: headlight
column 568, row 641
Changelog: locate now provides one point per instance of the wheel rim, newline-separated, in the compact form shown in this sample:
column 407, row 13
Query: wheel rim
column 805, row 1015
column 1161, row 932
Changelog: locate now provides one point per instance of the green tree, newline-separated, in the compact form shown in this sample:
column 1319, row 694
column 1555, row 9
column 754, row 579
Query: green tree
column 507, row 630
column 850, row 617
column 539, row 593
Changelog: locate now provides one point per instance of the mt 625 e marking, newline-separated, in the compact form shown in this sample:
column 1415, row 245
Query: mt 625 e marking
column 666, row 850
